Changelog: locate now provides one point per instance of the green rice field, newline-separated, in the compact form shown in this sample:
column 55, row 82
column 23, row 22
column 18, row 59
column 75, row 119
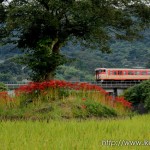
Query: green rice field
column 129, row 133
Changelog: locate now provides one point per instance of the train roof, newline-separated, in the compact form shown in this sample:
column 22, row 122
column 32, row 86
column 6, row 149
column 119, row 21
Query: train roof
column 122, row 69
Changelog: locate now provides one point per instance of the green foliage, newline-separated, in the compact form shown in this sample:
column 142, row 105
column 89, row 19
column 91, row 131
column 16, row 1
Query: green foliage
column 70, row 73
column 3, row 87
column 33, row 22
column 6, row 77
column 2, row 14
column 59, row 99
column 96, row 109
column 42, row 61
column 124, row 55
column 83, row 61
column 2, row 20
column 10, row 67
column 139, row 94
column 91, row 108
column 63, row 93
column 60, row 20
column 148, row 64
column 147, row 101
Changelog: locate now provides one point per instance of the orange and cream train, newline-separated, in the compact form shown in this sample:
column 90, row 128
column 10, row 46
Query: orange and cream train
column 121, row 74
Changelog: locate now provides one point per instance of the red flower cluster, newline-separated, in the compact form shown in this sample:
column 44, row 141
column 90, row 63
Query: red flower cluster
column 36, row 86
column 123, row 101
column 4, row 96
column 84, row 99
column 83, row 107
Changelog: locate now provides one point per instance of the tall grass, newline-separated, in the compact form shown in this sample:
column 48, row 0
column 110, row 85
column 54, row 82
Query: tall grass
column 57, row 94
column 70, row 135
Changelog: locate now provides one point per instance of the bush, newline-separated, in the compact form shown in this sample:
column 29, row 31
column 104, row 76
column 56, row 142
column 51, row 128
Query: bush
column 139, row 95
column 98, row 110
column 3, row 87
column 91, row 108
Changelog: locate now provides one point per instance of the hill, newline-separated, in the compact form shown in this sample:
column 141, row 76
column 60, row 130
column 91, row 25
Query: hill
column 83, row 61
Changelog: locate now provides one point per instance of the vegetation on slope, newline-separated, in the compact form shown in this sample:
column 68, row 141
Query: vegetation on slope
column 83, row 61
column 60, row 99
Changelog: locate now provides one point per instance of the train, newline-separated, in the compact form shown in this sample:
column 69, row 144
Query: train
column 121, row 74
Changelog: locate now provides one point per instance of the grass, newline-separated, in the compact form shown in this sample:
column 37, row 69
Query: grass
column 59, row 109
column 63, row 116
column 74, row 134
column 61, row 99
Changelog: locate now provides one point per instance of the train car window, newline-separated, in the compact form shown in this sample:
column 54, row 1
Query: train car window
column 148, row 72
column 130, row 72
column 111, row 72
column 143, row 72
column 137, row 72
column 103, row 70
column 119, row 72
column 124, row 72
column 114, row 72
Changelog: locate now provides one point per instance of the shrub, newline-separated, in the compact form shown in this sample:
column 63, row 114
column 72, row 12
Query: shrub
column 90, row 108
column 96, row 109
column 139, row 94
column 3, row 87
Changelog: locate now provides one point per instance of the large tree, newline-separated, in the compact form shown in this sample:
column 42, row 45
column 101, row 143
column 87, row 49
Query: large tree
column 42, row 27
column 2, row 19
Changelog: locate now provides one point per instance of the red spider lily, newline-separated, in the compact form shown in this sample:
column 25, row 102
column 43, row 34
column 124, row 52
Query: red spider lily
column 45, row 93
column 36, row 86
column 123, row 101
column 83, row 107
column 84, row 99
column 4, row 96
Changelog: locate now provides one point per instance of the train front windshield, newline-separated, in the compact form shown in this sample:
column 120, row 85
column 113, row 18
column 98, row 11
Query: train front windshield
column 99, row 72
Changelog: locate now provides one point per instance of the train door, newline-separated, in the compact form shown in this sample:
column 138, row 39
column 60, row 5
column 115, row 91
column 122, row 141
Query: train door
column 97, row 72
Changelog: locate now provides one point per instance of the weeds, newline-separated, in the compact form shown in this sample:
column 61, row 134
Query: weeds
column 63, row 99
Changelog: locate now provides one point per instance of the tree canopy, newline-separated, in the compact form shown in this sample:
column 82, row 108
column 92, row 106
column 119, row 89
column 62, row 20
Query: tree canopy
column 42, row 27
column 2, row 19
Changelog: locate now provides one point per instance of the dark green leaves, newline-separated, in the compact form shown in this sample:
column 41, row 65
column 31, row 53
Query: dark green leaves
column 92, row 22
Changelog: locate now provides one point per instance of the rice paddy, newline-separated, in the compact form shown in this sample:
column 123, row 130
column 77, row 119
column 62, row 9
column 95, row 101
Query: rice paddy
column 90, row 134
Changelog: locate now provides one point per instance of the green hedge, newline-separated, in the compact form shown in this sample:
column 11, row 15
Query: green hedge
column 139, row 94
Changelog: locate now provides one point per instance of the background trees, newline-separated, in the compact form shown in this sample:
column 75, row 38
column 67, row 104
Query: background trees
column 42, row 27
column 2, row 19
column 83, row 61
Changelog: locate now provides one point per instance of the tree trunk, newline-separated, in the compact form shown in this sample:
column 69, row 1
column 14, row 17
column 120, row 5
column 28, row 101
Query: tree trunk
column 56, row 45
column 49, row 76
column 55, row 49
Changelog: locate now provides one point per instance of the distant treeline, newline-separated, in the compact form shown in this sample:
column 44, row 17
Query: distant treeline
column 82, row 62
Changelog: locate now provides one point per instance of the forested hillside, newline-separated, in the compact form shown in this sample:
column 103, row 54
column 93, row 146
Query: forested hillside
column 82, row 62
column 123, row 55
